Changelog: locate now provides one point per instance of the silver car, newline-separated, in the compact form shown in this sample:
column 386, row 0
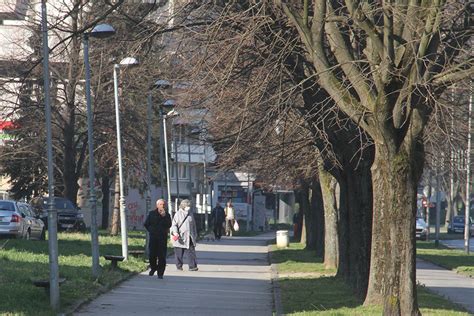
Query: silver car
column 18, row 220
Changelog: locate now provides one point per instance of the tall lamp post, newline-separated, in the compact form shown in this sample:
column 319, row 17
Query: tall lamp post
column 99, row 31
column 129, row 61
column 52, row 213
column 157, row 84
column 170, row 114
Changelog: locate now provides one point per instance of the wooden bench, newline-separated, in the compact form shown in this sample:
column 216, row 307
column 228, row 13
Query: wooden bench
column 114, row 260
column 136, row 253
column 45, row 283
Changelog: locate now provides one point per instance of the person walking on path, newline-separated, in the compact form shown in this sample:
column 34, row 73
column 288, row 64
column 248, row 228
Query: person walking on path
column 157, row 224
column 218, row 219
column 229, row 218
column 184, row 236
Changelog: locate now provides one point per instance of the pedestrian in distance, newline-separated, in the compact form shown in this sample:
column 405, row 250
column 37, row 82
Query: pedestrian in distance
column 218, row 219
column 297, row 225
column 158, row 223
column 229, row 218
column 184, row 236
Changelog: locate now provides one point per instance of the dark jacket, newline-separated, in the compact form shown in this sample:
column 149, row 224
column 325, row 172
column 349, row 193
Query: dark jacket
column 218, row 215
column 157, row 225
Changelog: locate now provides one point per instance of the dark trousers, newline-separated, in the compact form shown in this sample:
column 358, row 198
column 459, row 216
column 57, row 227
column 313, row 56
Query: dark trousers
column 218, row 230
column 191, row 253
column 157, row 249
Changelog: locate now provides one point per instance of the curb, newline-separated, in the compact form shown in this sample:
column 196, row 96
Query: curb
column 278, row 308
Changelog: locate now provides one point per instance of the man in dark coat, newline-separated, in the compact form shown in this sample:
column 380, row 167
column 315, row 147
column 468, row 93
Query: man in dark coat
column 218, row 218
column 157, row 224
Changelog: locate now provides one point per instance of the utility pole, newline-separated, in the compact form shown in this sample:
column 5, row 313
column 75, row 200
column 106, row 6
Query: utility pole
column 52, row 212
column 467, row 223
column 428, row 202
column 438, row 208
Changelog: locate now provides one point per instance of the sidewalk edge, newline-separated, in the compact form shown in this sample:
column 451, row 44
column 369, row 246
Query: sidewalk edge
column 278, row 308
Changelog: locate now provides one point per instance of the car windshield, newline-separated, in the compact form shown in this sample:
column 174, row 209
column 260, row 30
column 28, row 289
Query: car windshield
column 7, row 206
column 458, row 220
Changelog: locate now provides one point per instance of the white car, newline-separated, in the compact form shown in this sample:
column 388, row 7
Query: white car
column 18, row 220
column 421, row 229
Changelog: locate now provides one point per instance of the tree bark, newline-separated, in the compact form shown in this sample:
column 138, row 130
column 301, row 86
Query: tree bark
column 354, row 226
column 310, row 219
column 331, row 240
column 116, row 213
column 70, row 172
column 392, row 280
column 317, row 208
column 105, row 186
column 303, row 197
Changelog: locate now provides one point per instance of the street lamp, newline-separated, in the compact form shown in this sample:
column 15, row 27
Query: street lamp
column 157, row 84
column 126, row 62
column 99, row 31
column 169, row 115
column 52, row 213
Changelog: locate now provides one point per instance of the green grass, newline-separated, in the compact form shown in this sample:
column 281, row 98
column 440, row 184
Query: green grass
column 295, row 259
column 452, row 259
column 22, row 261
column 329, row 295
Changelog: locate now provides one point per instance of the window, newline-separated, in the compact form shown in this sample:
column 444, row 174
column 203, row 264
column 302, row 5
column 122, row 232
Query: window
column 183, row 171
column 237, row 194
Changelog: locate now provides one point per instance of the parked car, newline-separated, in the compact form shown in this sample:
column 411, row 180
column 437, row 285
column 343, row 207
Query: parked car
column 18, row 220
column 457, row 225
column 69, row 216
column 421, row 229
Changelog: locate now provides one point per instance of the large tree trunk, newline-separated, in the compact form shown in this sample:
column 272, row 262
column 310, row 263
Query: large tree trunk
column 331, row 240
column 310, row 219
column 317, row 208
column 393, row 270
column 105, row 186
column 70, row 172
column 303, row 198
column 116, row 213
column 354, row 226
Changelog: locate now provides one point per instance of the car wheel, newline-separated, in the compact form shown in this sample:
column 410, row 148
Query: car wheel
column 43, row 234
column 81, row 227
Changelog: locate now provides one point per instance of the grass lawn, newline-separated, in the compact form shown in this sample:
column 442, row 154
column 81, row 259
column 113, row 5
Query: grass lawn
column 24, row 260
column 295, row 259
column 327, row 295
column 453, row 259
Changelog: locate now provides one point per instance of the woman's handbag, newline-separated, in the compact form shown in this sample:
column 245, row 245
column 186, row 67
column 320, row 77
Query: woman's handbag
column 176, row 237
column 236, row 226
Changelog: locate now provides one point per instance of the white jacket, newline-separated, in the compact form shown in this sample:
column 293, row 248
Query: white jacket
column 187, row 231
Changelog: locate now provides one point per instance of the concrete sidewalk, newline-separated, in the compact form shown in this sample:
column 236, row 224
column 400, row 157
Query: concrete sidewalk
column 234, row 278
column 457, row 288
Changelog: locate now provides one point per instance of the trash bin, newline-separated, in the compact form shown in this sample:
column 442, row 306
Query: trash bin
column 282, row 239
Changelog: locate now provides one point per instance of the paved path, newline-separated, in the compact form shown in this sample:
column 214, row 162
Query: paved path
column 458, row 243
column 455, row 287
column 234, row 278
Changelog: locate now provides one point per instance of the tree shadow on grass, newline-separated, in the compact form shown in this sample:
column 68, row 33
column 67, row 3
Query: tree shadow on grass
column 332, row 295
column 18, row 295
column 295, row 255
column 69, row 247
column 316, row 294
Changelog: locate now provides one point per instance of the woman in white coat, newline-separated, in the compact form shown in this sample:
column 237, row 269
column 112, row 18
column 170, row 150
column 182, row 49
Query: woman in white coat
column 184, row 236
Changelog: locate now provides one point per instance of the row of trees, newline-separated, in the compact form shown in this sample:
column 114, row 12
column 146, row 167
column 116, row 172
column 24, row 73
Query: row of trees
column 339, row 99
column 23, row 159
column 344, row 92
